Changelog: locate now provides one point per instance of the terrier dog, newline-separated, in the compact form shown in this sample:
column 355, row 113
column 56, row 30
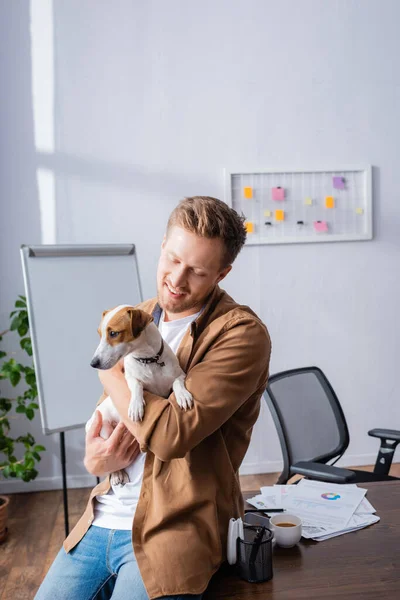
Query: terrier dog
column 130, row 333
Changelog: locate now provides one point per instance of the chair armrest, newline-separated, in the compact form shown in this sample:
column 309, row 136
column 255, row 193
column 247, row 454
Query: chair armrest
column 322, row 472
column 388, row 434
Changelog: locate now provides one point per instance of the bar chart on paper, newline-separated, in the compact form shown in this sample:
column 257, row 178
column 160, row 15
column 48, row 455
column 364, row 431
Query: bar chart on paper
column 283, row 207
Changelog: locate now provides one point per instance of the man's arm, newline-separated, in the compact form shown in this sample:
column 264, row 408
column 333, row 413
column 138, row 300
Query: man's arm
column 234, row 369
column 107, row 456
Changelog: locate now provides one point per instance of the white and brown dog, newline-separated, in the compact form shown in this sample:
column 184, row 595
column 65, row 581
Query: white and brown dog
column 129, row 333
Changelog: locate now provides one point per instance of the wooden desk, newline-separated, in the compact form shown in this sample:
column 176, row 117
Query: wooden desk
column 361, row 565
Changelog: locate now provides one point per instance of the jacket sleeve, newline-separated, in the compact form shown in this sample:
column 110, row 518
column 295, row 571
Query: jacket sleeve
column 234, row 368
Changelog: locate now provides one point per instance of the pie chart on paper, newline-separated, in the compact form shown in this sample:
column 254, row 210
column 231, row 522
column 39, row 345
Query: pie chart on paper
column 330, row 496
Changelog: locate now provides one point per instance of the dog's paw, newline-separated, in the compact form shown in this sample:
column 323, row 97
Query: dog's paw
column 119, row 478
column 184, row 398
column 136, row 409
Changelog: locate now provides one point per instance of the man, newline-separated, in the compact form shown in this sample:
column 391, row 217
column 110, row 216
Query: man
column 184, row 484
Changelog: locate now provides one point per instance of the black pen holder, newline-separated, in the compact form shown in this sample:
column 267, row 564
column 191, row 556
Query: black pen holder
column 254, row 552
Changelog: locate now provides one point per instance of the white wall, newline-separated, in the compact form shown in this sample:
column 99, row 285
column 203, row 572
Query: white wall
column 152, row 99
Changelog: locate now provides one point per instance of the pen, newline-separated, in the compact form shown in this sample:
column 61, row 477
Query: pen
column 265, row 510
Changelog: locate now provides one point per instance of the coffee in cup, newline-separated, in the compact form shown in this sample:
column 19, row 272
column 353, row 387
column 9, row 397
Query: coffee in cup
column 286, row 529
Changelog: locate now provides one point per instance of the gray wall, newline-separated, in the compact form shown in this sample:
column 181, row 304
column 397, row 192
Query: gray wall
column 152, row 99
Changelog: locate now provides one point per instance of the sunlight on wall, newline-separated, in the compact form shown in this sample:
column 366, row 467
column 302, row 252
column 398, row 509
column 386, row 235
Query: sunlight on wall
column 42, row 46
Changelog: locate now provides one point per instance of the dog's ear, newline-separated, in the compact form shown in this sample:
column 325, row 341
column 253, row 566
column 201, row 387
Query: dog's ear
column 139, row 320
column 104, row 313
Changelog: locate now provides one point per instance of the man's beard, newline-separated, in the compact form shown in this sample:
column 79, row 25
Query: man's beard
column 177, row 306
column 180, row 306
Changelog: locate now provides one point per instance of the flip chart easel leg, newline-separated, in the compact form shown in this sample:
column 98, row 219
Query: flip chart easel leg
column 64, row 478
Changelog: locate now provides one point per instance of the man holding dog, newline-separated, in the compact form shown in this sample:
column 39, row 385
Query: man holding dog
column 167, row 535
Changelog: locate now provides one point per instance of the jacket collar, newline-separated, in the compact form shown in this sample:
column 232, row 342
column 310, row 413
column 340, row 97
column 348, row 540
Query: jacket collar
column 198, row 325
column 186, row 346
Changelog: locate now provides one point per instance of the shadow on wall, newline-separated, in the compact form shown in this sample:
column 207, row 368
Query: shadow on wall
column 19, row 205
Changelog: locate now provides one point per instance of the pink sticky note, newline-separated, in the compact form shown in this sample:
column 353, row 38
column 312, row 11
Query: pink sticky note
column 338, row 183
column 278, row 193
column 320, row 226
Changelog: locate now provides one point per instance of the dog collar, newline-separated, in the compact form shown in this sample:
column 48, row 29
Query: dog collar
column 153, row 359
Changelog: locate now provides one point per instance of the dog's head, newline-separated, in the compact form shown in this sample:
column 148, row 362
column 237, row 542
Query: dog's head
column 119, row 330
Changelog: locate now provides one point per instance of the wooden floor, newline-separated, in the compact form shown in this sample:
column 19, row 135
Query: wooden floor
column 36, row 532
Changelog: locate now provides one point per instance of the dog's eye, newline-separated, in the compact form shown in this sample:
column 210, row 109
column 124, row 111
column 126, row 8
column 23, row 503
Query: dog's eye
column 113, row 334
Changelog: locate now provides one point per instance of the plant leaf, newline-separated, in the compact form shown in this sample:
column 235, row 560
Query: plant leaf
column 30, row 413
column 15, row 377
column 30, row 378
column 39, row 448
column 15, row 323
column 23, row 329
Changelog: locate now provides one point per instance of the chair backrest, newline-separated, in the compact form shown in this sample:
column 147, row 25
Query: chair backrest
column 308, row 417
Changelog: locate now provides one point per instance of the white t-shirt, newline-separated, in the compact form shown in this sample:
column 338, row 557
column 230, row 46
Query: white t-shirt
column 116, row 509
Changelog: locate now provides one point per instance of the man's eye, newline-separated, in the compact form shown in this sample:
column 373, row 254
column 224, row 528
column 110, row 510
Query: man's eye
column 113, row 334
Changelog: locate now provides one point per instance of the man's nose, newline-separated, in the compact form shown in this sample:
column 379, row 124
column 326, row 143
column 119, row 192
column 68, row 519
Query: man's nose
column 178, row 278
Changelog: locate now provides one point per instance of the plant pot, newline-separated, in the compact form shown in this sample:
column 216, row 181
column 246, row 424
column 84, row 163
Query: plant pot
column 4, row 502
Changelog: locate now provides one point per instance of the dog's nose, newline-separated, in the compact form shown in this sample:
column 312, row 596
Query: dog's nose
column 95, row 362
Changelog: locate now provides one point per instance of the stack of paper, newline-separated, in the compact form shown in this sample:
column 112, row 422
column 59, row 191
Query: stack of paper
column 326, row 509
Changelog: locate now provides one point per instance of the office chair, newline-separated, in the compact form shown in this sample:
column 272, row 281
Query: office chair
column 312, row 429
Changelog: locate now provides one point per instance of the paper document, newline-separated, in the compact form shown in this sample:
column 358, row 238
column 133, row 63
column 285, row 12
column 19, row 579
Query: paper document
column 330, row 505
column 326, row 510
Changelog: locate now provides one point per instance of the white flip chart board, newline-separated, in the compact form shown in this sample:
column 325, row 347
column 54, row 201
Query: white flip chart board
column 67, row 289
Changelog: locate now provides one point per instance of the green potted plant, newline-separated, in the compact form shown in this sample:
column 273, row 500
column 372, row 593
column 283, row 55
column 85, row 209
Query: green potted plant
column 18, row 455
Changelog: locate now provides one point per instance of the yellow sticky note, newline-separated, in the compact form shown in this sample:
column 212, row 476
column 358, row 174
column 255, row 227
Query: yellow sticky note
column 308, row 201
column 249, row 227
column 360, row 211
column 280, row 215
column 330, row 202
column 248, row 192
column 267, row 213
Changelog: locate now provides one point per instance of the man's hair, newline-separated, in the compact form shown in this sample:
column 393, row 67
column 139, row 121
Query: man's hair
column 211, row 218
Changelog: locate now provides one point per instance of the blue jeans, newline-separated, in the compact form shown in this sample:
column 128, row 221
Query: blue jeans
column 100, row 567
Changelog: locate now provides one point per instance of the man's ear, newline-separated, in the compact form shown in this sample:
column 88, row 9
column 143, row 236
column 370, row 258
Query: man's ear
column 139, row 320
column 224, row 273
column 163, row 241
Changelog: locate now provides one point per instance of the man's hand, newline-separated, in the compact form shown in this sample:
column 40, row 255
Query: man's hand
column 115, row 385
column 106, row 456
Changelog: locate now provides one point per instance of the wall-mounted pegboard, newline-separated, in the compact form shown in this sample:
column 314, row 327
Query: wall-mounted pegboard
column 286, row 207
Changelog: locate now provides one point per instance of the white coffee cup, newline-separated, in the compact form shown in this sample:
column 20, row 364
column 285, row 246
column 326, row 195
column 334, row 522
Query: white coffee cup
column 286, row 536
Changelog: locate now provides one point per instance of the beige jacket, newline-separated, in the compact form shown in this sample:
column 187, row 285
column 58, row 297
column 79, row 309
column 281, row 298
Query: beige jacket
column 190, row 486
